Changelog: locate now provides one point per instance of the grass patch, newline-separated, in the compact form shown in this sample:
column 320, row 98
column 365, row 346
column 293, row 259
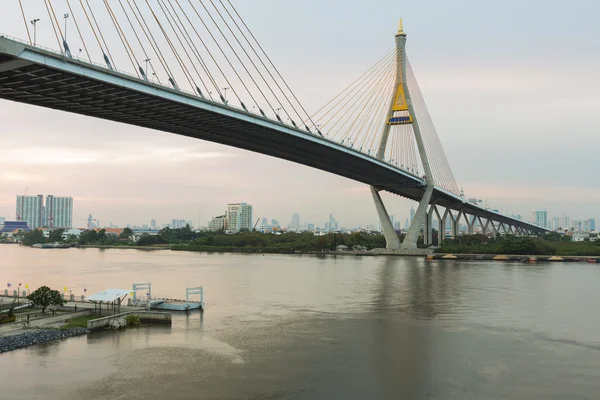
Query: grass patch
column 78, row 322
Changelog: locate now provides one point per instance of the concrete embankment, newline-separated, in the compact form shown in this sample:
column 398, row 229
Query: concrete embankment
column 26, row 339
column 119, row 320
column 125, row 247
column 513, row 257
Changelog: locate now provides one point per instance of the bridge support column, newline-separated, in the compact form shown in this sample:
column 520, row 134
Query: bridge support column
column 412, row 235
column 391, row 238
column 470, row 223
column 493, row 227
column 484, row 227
column 456, row 224
column 428, row 237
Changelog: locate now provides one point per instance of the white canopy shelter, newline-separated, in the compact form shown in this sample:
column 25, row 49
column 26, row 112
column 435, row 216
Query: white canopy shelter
column 108, row 295
column 112, row 297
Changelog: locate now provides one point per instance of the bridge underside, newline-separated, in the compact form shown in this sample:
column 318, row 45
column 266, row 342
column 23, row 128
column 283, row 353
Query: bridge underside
column 42, row 78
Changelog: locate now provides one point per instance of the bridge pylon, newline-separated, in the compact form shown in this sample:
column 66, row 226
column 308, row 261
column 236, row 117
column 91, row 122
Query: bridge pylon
column 401, row 112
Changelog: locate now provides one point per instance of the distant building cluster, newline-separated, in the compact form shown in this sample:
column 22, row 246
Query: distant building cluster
column 237, row 217
column 55, row 212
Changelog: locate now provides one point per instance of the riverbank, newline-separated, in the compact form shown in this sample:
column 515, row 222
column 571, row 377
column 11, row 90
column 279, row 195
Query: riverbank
column 39, row 336
column 99, row 246
column 514, row 257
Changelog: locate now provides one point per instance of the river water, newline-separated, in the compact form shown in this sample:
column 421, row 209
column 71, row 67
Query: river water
column 307, row 327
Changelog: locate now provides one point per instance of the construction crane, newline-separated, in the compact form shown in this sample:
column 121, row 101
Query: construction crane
column 51, row 217
column 253, row 229
column 21, row 205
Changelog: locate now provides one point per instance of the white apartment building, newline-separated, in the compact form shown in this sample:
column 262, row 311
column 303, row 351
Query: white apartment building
column 239, row 216
column 218, row 224
column 540, row 218
column 59, row 212
column 31, row 210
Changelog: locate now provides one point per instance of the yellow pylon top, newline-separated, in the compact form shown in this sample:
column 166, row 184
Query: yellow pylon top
column 400, row 29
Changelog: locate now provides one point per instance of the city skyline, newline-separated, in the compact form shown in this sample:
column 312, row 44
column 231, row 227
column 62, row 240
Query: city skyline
column 86, row 157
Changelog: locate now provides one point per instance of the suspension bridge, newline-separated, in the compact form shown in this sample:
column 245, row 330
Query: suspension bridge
column 169, row 64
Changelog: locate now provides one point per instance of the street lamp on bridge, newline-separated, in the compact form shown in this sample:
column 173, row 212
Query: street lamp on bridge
column 66, row 16
column 225, row 93
column 34, row 23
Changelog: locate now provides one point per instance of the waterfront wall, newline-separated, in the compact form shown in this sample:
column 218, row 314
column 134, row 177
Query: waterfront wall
column 144, row 316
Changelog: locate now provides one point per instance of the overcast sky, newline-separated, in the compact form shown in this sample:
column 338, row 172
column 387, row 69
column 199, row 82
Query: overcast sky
column 512, row 86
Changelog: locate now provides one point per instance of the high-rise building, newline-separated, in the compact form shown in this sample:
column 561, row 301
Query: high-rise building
column 31, row 210
column 332, row 225
column 275, row 223
column 540, row 218
column 218, row 224
column 90, row 222
column 179, row 223
column 153, row 224
column 592, row 224
column 2, row 219
column 295, row 225
column 58, row 212
column 239, row 216
column 412, row 215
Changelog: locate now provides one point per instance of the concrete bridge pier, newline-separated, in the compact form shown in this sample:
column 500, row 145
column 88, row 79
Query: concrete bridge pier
column 391, row 237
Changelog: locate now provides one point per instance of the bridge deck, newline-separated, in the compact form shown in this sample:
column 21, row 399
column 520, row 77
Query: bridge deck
column 43, row 78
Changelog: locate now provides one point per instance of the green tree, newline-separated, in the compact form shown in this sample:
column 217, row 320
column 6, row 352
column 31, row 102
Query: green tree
column 35, row 236
column 126, row 234
column 44, row 297
column 56, row 236
column 71, row 239
column 101, row 237
column 150, row 240
column 88, row 237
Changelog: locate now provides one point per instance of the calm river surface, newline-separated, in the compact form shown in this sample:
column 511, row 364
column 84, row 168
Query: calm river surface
column 305, row 327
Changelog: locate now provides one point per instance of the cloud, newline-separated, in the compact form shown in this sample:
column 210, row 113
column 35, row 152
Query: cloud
column 68, row 156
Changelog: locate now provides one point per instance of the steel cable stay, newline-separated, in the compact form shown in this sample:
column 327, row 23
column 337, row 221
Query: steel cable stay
column 243, row 64
column 449, row 175
column 445, row 172
column 228, row 61
column 273, row 65
column 79, row 31
column 230, row 64
column 381, row 115
column 168, row 14
column 372, row 111
column 359, row 87
column 368, row 107
column 347, row 108
column 173, row 50
column 181, row 28
column 319, row 115
column 104, row 56
column 25, row 21
column 112, row 60
column 364, row 93
column 136, row 66
column 204, row 64
column 52, row 22
column 366, row 98
column 138, row 40
column 261, row 61
column 279, row 102
column 153, row 44
column 441, row 168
